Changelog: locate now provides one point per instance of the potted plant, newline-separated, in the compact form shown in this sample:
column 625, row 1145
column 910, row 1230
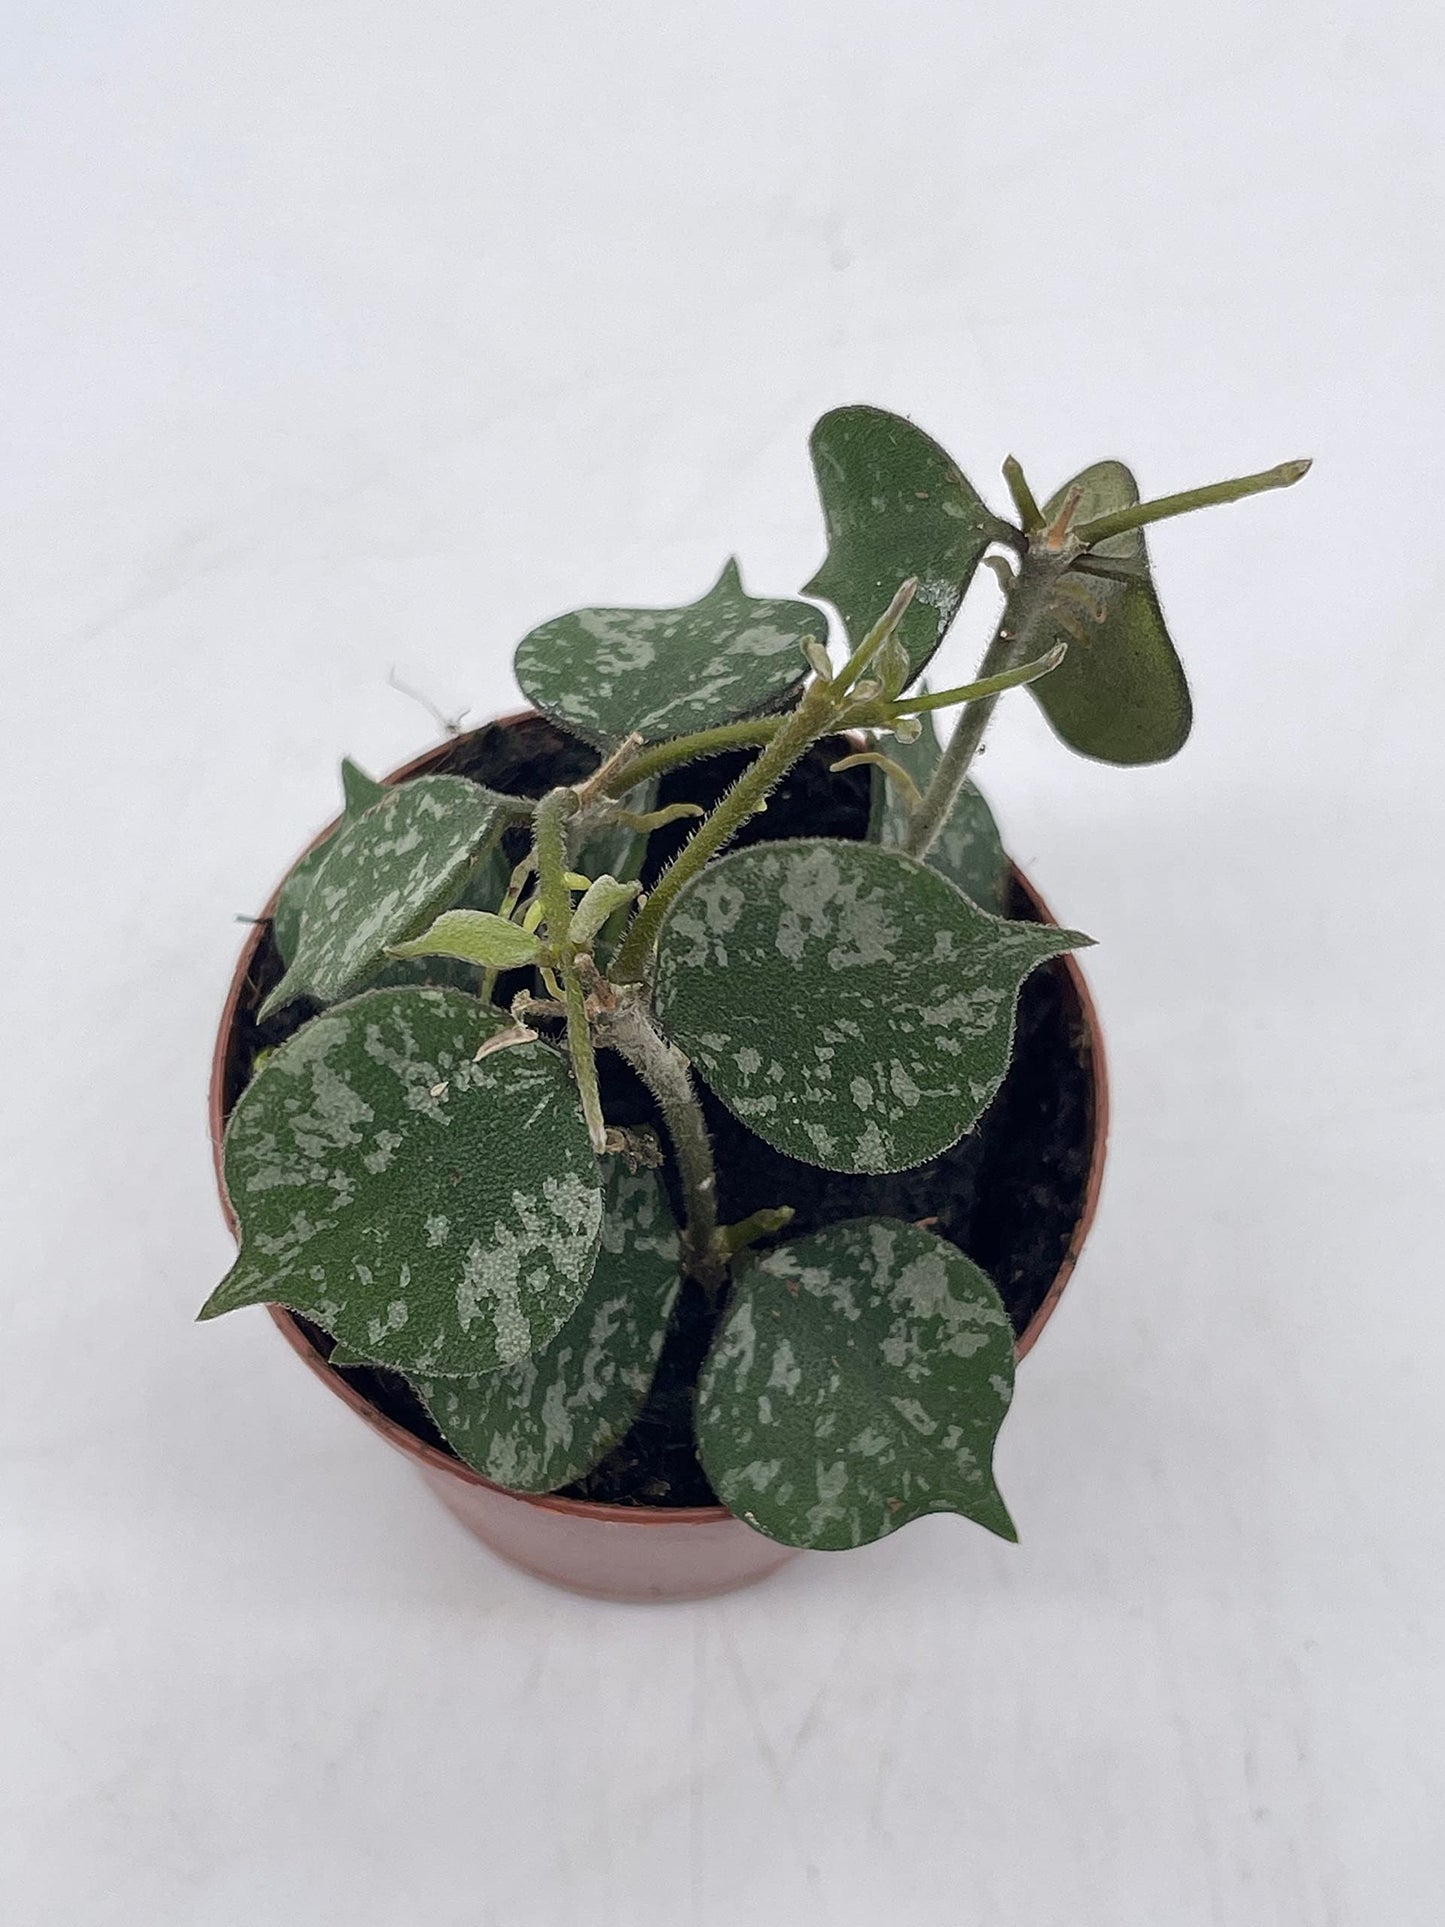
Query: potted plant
column 618, row 1105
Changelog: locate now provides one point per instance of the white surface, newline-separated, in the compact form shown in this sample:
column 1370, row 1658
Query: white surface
column 344, row 338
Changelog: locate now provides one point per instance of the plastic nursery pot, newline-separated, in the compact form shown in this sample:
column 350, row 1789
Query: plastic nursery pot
column 623, row 1552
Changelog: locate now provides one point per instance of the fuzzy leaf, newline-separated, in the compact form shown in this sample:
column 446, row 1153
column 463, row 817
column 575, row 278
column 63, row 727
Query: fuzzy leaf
column 602, row 898
column 604, row 673
column 858, row 1382
column 383, row 877
column 360, row 791
column 851, row 1006
column 895, row 506
column 537, row 1425
column 476, row 937
column 436, row 1214
column 969, row 852
column 1120, row 694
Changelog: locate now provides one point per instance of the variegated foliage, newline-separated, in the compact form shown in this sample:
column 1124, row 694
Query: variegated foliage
column 413, row 1168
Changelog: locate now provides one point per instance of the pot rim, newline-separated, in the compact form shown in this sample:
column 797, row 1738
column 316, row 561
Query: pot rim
column 428, row 1455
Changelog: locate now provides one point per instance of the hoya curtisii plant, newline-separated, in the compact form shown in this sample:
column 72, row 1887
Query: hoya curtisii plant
column 425, row 1167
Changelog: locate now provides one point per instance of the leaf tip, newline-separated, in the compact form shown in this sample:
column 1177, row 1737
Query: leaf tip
column 1002, row 1525
column 277, row 999
column 226, row 1298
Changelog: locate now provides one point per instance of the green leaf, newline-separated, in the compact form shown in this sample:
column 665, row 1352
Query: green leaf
column 601, row 899
column 360, row 792
column 475, row 937
column 382, row 878
column 605, row 673
column 851, row 1006
column 434, row 1213
column 535, row 1426
column 1120, row 694
column 969, row 851
column 858, row 1382
column 895, row 506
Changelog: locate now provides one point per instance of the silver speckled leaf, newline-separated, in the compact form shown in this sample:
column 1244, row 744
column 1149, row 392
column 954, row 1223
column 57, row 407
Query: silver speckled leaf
column 537, row 1425
column 436, row 1214
column 969, row 851
column 604, row 673
column 895, row 505
column 858, row 1382
column 360, row 791
column 381, row 879
column 1120, row 694
column 851, row 1006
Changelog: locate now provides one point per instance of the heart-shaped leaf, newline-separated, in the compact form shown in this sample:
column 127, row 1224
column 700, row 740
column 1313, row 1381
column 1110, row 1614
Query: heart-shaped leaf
column 360, row 791
column 437, row 1214
column 381, row 879
column 858, row 1382
column 476, row 937
column 969, row 850
column 850, row 1005
column 537, row 1425
column 1120, row 694
column 895, row 505
column 605, row 673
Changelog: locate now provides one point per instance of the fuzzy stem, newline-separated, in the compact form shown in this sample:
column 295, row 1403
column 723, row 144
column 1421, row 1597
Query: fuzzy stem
column 665, row 1071
column 752, row 733
column 1027, row 601
column 1029, row 512
column 584, row 1062
column 971, row 692
column 814, row 717
column 1163, row 506
column 876, row 638
column 549, row 846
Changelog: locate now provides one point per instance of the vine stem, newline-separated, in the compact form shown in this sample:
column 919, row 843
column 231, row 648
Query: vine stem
column 1029, row 512
column 752, row 733
column 622, row 772
column 814, row 717
column 550, row 849
column 1014, row 639
column 1141, row 514
column 629, row 1031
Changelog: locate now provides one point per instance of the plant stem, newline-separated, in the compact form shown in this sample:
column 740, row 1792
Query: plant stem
column 1013, row 640
column 584, row 1062
column 877, row 636
column 814, row 717
column 1029, row 512
column 665, row 1071
column 549, row 846
column 971, row 692
column 1163, row 506
column 621, row 773
column 752, row 733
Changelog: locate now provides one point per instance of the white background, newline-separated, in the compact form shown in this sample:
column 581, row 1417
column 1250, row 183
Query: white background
column 344, row 338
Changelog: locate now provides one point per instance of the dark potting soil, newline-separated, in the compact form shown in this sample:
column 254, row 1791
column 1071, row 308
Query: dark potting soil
column 1009, row 1194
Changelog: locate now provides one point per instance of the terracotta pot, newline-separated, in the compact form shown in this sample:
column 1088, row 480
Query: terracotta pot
column 619, row 1552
